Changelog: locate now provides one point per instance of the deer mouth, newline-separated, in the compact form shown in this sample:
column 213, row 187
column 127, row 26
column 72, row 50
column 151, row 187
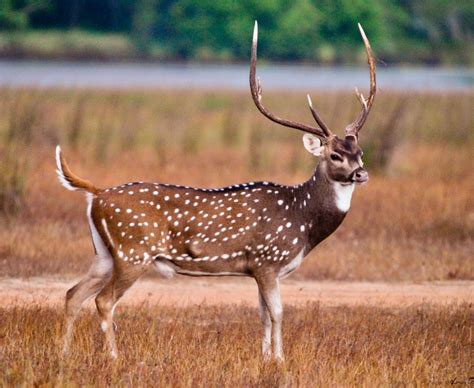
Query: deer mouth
column 361, row 181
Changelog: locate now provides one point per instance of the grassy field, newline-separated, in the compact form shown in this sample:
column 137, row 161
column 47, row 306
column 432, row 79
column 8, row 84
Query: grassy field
column 413, row 221
column 220, row 346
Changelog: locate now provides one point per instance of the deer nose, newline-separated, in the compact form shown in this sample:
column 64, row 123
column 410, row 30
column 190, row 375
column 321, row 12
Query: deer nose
column 360, row 175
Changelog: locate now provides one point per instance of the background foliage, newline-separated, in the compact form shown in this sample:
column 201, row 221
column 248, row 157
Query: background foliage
column 435, row 31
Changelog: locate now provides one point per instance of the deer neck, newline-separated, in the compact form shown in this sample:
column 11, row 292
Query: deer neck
column 325, row 205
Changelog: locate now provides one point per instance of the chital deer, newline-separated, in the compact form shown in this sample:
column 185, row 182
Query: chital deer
column 257, row 229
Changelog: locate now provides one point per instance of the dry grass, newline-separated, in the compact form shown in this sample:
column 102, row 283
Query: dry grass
column 220, row 346
column 413, row 221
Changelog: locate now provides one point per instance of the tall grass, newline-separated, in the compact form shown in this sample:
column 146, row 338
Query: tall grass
column 220, row 346
column 413, row 221
column 13, row 171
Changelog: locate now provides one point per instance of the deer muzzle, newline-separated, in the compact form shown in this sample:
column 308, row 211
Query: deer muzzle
column 359, row 175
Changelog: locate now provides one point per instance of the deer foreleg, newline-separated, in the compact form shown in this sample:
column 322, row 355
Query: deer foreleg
column 267, row 327
column 270, row 290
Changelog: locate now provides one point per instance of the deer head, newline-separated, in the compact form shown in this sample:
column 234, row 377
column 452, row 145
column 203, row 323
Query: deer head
column 341, row 159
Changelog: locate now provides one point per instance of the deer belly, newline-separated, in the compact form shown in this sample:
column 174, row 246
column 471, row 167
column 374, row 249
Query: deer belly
column 166, row 267
column 292, row 265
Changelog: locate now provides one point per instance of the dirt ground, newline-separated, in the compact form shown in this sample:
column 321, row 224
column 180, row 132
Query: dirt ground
column 183, row 292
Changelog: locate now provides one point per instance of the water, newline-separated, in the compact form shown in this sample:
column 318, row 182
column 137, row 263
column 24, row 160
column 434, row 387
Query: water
column 233, row 77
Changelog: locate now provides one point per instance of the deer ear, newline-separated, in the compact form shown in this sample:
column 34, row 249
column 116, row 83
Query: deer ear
column 312, row 144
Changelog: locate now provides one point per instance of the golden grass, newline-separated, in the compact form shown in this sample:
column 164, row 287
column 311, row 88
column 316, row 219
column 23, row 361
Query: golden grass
column 413, row 221
column 220, row 346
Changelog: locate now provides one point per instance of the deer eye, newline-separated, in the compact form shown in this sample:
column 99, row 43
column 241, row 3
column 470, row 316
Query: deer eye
column 336, row 157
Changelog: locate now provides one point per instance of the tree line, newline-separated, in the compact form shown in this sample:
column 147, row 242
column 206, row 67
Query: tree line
column 325, row 31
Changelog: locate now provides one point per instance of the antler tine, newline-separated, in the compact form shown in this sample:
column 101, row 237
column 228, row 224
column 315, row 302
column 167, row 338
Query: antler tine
column 352, row 128
column 371, row 62
column 256, row 91
column 318, row 119
column 361, row 99
column 355, row 127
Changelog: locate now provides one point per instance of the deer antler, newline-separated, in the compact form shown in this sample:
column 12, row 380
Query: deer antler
column 256, row 90
column 354, row 127
column 318, row 119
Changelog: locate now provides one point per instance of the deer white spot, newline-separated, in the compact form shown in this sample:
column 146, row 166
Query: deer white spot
column 167, row 198
column 280, row 202
column 343, row 194
column 295, row 241
column 280, row 228
column 302, row 228
column 288, row 224
column 117, row 210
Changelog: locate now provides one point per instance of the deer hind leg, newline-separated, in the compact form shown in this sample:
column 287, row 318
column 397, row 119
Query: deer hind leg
column 122, row 279
column 269, row 288
column 98, row 275
column 267, row 327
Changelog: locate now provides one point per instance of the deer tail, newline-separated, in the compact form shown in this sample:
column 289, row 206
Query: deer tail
column 70, row 180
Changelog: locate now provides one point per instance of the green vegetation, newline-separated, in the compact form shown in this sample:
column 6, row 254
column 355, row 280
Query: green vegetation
column 418, row 31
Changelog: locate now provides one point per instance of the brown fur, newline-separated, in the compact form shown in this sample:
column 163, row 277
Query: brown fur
column 75, row 180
